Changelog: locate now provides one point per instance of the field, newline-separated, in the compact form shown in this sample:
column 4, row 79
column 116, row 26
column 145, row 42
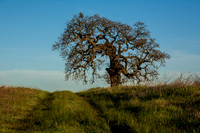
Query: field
column 142, row 109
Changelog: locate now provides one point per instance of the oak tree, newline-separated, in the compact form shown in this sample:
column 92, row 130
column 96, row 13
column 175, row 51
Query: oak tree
column 92, row 43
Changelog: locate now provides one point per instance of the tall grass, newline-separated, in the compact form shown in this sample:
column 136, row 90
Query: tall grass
column 171, row 107
column 162, row 108
column 63, row 112
column 15, row 102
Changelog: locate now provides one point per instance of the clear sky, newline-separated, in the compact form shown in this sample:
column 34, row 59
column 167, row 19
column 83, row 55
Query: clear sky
column 28, row 28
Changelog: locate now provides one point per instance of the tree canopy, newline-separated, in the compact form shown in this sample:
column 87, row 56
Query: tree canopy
column 92, row 43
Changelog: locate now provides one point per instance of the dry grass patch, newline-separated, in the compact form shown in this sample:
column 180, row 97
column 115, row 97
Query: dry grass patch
column 15, row 102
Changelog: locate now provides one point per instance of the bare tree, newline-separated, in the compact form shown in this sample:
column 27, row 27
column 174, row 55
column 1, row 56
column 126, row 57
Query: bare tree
column 90, row 42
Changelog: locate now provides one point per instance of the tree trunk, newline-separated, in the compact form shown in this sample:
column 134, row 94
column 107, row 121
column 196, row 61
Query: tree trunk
column 115, row 77
column 115, row 80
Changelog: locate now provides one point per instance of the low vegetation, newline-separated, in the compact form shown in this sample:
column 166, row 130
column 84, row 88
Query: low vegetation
column 15, row 104
column 28, row 110
column 160, row 108
column 148, row 109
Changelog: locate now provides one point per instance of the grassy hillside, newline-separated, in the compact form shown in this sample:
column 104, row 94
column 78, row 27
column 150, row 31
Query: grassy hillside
column 166, row 108
column 148, row 109
column 29, row 110
column 15, row 104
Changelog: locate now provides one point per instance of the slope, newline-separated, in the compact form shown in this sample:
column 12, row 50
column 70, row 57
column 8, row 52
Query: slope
column 164, row 108
column 39, row 111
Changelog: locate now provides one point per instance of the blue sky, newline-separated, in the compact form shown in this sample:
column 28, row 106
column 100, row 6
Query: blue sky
column 28, row 28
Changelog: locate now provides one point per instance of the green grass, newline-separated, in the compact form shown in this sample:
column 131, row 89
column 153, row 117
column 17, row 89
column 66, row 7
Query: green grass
column 164, row 108
column 15, row 104
column 48, row 112
column 148, row 109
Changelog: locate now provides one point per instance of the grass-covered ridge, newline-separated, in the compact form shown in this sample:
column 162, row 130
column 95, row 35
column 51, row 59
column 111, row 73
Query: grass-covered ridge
column 163, row 108
column 15, row 104
column 38, row 111
column 148, row 109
